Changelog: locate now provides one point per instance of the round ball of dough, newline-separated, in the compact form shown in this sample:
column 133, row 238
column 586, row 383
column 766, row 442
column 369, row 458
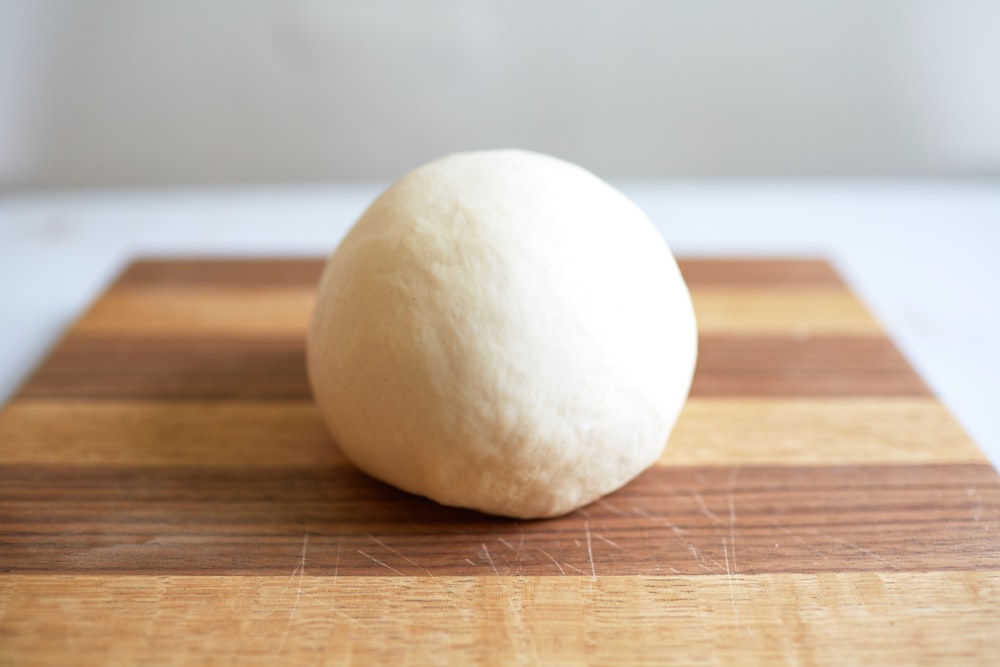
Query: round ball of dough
column 502, row 331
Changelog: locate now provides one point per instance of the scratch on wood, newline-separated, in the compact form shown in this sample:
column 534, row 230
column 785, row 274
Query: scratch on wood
column 729, row 578
column 378, row 562
column 700, row 559
column 301, row 570
column 611, row 508
column 607, row 541
column 412, row 562
column 520, row 548
column 641, row 512
column 837, row 540
column 860, row 549
column 590, row 550
column 486, row 551
column 524, row 643
column 679, row 536
column 522, row 640
column 703, row 508
column 977, row 511
column 698, row 555
column 398, row 553
column 797, row 538
column 725, row 552
column 732, row 514
column 302, row 558
column 857, row 592
column 554, row 561
column 336, row 566
column 811, row 548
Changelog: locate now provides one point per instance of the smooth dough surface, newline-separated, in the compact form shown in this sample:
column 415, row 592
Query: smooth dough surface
column 502, row 331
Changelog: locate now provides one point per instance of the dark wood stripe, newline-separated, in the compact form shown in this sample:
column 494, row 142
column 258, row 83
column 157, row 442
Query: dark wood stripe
column 273, row 272
column 703, row 272
column 706, row 520
column 803, row 366
column 83, row 367
column 134, row 368
column 306, row 272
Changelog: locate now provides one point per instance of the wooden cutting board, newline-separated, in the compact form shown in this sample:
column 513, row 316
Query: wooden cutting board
column 168, row 495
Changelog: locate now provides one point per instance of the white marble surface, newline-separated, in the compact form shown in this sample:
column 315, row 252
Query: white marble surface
column 925, row 256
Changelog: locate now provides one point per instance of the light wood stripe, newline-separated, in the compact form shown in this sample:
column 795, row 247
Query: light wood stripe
column 781, row 310
column 824, row 619
column 817, row 431
column 697, row 520
column 164, row 433
column 289, row 432
column 244, row 312
column 257, row 311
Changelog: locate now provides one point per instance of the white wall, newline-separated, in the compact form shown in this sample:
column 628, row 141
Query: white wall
column 125, row 92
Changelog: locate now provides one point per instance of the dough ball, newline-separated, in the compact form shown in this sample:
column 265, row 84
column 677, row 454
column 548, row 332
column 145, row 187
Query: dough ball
column 502, row 331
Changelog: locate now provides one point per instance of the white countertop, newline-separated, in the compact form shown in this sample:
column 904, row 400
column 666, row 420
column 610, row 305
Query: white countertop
column 925, row 256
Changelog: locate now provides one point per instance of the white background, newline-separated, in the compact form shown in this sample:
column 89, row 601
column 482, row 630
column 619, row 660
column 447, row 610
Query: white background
column 107, row 93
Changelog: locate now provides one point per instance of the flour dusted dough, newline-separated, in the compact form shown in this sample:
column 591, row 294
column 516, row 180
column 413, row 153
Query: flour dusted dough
column 502, row 331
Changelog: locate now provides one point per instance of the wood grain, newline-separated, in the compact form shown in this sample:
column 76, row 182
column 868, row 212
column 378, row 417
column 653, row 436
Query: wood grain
column 209, row 273
column 892, row 618
column 803, row 366
column 694, row 520
column 776, row 310
column 798, row 431
column 236, row 312
column 219, row 432
column 150, row 368
column 760, row 271
column 168, row 495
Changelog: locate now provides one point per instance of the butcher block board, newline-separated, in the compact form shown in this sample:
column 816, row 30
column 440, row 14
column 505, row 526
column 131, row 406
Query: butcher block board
column 168, row 495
